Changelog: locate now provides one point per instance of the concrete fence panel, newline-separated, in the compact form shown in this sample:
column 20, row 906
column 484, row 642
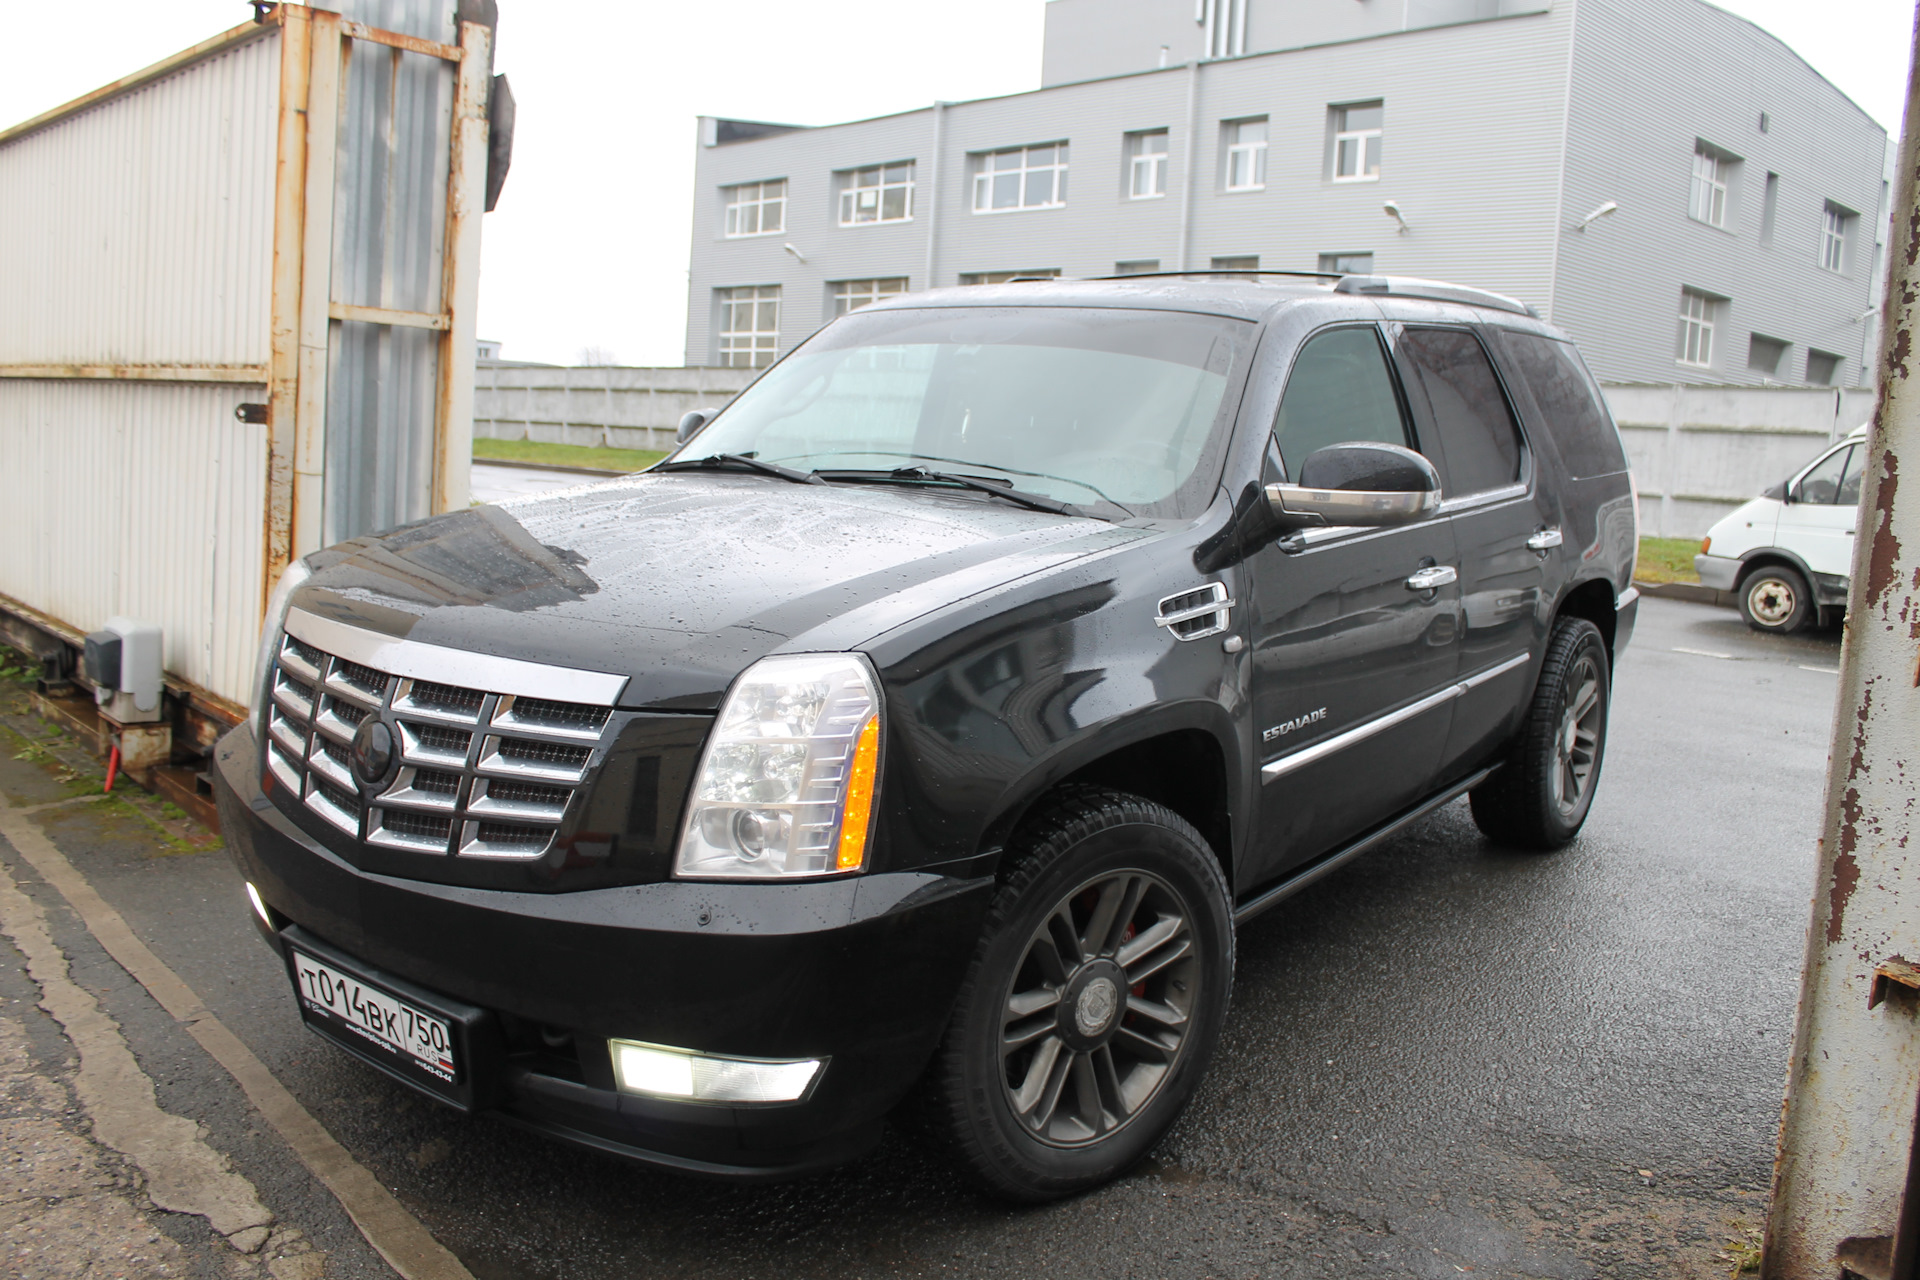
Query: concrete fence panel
column 624, row 408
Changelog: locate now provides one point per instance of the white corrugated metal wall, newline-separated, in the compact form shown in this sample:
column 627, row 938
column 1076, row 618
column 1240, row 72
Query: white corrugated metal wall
column 143, row 499
column 140, row 231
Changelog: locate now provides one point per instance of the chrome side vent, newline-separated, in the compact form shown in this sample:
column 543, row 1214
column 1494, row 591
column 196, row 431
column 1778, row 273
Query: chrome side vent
column 1192, row 614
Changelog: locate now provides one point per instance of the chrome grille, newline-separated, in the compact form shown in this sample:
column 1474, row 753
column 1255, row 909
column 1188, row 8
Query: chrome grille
column 483, row 774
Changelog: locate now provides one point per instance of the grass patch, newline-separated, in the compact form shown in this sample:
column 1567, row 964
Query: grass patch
column 567, row 455
column 1667, row 560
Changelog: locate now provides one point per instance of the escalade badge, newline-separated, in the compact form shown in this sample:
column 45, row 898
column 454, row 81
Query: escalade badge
column 372, row 752
column 1286, row 727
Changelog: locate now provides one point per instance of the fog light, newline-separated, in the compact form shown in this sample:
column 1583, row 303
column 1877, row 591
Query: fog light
column 677, row 1073
column 259, row 907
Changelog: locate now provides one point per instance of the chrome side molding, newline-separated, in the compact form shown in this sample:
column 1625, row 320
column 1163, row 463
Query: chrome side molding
column 1360, row 733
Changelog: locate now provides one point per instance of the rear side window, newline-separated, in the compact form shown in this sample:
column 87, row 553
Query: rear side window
column 1339, row 391
column 1477, row 445
column 1574, row 410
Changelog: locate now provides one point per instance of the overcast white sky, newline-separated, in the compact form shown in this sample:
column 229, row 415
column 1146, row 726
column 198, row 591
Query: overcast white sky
column 589, row 244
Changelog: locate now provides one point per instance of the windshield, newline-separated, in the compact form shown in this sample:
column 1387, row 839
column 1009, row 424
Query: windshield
column 1116, row 412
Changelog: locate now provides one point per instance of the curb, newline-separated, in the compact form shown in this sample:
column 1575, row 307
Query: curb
column 548, row 466
column 1697, row 593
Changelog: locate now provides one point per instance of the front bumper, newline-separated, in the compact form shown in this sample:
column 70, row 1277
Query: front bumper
column 1718, row 572
column 859, row 971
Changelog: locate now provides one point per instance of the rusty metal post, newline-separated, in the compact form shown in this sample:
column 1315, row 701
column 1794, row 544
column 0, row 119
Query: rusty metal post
column 289, row 232
column 1844, row 1195
column 326, row 83
column 460, row 287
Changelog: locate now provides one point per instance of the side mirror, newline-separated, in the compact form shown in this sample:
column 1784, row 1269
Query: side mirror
column 691, row 422
column 1358, row 484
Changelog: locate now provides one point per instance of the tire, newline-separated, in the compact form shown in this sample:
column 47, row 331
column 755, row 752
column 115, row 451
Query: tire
column 1102, row 1065
column 1543, row 792
column 1777, row 599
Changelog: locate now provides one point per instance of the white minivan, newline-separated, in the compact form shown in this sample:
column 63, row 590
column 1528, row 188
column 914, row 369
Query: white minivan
column 1786, row 554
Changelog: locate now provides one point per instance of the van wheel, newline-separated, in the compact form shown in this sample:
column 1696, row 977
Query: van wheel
column 1094, row 1001
column 1776, row 599
column 1541, row 796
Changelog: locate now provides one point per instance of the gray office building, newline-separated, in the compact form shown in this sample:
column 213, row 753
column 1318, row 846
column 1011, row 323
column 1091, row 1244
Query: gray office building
column 1670, row 183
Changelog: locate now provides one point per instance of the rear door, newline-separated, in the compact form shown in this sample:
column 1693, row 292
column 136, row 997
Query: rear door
column 1503, row 533
column 1346, row 650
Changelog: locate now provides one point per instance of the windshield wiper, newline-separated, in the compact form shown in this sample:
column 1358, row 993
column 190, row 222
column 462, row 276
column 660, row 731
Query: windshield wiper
column 920, row 475
column 728, row 461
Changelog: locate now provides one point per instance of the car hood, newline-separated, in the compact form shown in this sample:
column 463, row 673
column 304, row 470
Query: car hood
column 681, row 581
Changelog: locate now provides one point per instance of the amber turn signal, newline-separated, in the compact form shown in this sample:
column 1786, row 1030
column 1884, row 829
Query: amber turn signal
column 854, row 820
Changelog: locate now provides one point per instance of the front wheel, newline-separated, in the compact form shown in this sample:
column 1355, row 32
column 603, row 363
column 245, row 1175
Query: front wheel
column 1541, row 795
column 1776, row 598
column 1094, row 1001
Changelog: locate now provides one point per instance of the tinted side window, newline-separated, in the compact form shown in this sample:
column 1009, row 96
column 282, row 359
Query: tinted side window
column 1565, row 393
column 1339, row 390
column 1850, row 487
column 1478, row 446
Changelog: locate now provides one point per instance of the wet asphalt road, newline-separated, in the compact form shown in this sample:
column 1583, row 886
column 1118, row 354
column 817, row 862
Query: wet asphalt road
column 1443, row 1060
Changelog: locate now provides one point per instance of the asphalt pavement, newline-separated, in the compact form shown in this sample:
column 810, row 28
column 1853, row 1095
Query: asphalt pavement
column 1445, row 1059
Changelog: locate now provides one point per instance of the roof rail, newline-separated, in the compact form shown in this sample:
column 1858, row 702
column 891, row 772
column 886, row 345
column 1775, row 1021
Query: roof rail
column 1434, row 290
column 1217, row 273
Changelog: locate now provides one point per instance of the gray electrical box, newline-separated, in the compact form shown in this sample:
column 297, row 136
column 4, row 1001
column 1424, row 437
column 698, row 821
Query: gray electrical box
column 122, row 663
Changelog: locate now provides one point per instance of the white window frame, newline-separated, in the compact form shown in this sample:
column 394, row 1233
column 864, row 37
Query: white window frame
column 1251, row 155
column 1002, row 277
column 1698, row 317
column 984, row 174
column 1150, row 164
column 755, row 341
column 851, row 295
column 738, row 201
column 1358, row 139
column 853, row 187
column 1707, row 198
column 1833, row 238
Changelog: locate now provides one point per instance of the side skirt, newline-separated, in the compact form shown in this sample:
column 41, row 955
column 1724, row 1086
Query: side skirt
column 1340, row 857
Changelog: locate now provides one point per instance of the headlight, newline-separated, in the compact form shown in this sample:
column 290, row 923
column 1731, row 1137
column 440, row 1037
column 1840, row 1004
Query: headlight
column 700, row 1077
column 786, row 785
column 292, row 576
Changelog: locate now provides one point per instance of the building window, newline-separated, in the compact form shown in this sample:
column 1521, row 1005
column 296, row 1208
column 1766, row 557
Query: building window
column 851, row 295
column 1138, row 267
column 749, row 326
column 1239, row 262
column 1347, row 264
column 1246, row 154
column 1698, row 313
column 1356, row 142
column 1710, row 173
column 1002, row 277
column 883, row 193
column 1764, row 355
column 1769, row 209
column 1147, row 164
column 1823, row 368
column 1833, row 236
column 756, row 208
column 1020, row 178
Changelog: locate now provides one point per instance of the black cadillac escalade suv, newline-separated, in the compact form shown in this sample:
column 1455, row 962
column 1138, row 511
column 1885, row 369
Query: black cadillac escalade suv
column 934, row 715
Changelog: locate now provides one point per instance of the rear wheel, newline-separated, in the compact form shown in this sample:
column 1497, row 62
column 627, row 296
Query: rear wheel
column 1776, row 598
column 1541, row 795
column 1094, row 1001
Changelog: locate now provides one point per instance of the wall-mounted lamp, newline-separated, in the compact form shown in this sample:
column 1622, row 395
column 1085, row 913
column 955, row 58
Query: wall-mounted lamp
column 795, row 252
column 1601, row 212
column 1392, row 209
column 1870, row 311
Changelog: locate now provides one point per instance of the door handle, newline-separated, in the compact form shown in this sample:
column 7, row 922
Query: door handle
column 1435, row 576
column 1544, row 539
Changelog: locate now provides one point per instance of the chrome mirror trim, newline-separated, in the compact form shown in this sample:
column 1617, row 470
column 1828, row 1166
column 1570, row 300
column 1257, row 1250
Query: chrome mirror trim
column 1300, row 507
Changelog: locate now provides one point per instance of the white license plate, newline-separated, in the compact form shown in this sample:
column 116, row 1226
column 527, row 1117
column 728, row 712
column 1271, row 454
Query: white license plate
column 385, row 1019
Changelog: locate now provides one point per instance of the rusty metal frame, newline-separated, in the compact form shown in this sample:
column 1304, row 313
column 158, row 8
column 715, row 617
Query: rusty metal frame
column 244, row 373
column 460, row 271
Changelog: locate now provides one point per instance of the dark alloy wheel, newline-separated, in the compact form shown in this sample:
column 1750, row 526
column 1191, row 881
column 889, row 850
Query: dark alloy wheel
column 1094, row 1001
column 1775, row 598
column 1542, row 793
